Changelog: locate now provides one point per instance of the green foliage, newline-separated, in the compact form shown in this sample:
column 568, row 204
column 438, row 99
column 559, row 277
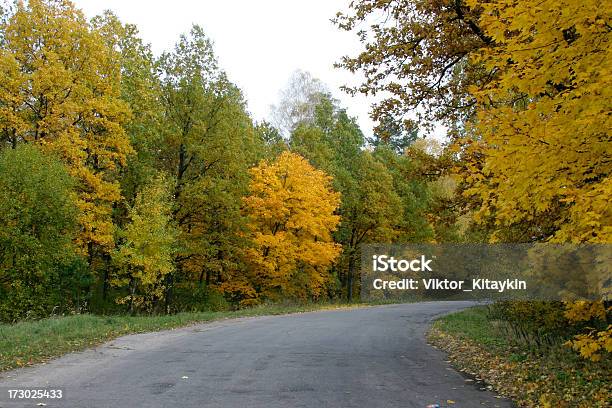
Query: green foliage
column 532, row 324
column 209, row 144
column 370, row 206
column 39, row 269
column 271, row 140
column 196, row 297
column 414, row 192
column 149, row 244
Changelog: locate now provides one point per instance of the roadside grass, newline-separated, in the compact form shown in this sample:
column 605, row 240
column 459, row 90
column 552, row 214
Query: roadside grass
column 472, row 324
column 551, row 376
column 31, row 342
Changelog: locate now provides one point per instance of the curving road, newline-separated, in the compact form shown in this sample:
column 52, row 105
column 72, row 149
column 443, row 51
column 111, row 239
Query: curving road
column 366, row 357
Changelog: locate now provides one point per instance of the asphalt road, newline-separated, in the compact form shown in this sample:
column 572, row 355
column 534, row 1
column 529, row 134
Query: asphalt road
column 367, row 357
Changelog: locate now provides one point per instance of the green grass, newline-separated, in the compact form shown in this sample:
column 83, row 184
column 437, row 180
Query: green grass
column 472, row 324
column 32, row 342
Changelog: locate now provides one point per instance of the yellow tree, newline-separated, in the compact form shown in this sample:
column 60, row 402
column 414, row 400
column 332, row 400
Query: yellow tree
column 528, row 83
column 60, row 88
column 291, row 208
column 544, row 122
column 543, row 130
column 147, row 253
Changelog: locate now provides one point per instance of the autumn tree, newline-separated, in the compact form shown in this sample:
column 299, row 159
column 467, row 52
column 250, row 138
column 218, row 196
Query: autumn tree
column 140, row 89
column 520, row 81
column 370, row 208
column 61, row 90
column 148, row 246
column 525, row 85
column 416, row 54
column 291, row 208
column 544, row 131
column 208, row 145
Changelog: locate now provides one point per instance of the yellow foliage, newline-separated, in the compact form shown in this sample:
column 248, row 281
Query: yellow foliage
column 291, row 209
column 239, row 290
column 543, row 122
column 149, row 244
column 592, row 345
column 582, row 310
column 59, row 87
column 543, row 145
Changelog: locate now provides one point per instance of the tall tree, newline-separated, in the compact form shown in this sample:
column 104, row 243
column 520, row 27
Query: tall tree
column 371, row 213
column 209, row 144
column 61, row 90
column 141, row 90
column 291, row 208
column 298, row 101
column 370, row 207
column 413, row 186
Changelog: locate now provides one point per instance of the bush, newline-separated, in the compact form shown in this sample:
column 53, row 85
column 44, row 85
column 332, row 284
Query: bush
column 192, row 297
column 39, row 266
column 532, row 323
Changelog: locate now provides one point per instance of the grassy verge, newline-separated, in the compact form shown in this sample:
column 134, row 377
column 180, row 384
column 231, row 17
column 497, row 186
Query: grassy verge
column 551, row 377
column 31, row 342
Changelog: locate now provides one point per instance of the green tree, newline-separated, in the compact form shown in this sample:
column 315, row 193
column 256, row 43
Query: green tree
column 38, row 222
column 209, row 145
column 271, row 140
column 413, row 187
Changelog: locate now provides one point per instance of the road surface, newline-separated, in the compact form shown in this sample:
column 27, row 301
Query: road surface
column 365, row 357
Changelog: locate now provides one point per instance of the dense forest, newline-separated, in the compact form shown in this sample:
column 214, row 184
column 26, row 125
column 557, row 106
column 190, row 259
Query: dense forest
column 139, row 183
column 136, row 183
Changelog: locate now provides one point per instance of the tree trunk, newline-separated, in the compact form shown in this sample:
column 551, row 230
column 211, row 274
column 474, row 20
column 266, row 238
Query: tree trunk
column 106, row 277
column 349, row 279
column 132, row 292
column 168, row 294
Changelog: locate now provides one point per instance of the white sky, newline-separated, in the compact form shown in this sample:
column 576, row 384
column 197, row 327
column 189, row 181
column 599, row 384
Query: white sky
column 259, row 43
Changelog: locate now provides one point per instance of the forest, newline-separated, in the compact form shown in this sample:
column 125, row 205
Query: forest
column 139, row 183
